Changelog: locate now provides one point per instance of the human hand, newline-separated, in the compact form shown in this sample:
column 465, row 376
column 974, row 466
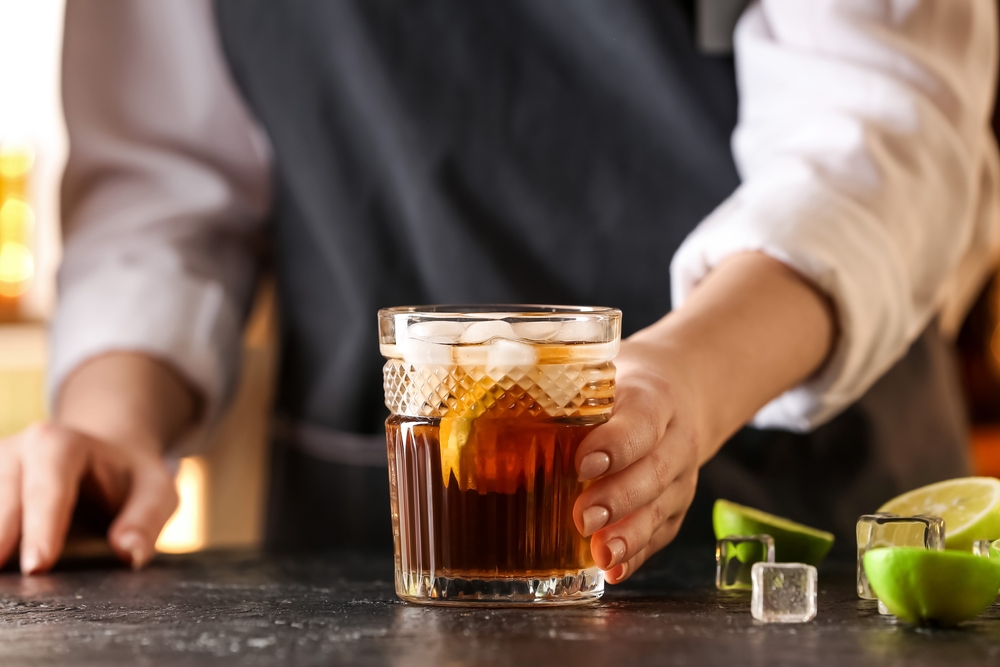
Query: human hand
column 750, row 330
column 644, row 461
column 46, row 467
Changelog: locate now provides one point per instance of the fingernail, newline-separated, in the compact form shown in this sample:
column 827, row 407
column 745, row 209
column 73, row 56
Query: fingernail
column 617, row 548
column 133, row 543
column 594, row 519
column 31, row 561
column 622, row 571
column 594, row 465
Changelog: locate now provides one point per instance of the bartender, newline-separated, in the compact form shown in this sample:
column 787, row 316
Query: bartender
column 792, row 232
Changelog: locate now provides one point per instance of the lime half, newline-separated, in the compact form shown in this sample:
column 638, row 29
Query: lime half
column 970, row 507
column 793, row 542
column 932, row 587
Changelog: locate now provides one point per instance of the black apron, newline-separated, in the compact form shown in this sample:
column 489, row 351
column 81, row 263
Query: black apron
column 447, row 151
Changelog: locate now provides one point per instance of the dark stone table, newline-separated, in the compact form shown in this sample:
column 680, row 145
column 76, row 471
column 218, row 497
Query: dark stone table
column 339, row 609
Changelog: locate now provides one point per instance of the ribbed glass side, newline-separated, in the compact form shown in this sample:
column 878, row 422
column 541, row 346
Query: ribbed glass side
column 495, row 525
column 584, row 586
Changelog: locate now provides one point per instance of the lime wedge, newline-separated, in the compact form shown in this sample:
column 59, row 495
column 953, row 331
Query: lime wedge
column 456, row 426
column 932, row 587
column 793, row 542
column 970, row 507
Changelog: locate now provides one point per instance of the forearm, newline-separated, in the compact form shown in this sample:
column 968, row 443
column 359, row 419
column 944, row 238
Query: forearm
column 893, row 218
column 751, row 330
column 127, row 398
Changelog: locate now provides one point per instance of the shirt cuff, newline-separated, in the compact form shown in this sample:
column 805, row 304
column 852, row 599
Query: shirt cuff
column 789, row 214
column 123, row 306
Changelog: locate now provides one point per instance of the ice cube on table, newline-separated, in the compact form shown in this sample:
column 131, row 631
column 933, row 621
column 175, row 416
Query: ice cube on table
column 783, row 592
column 480, row 332
column 890, row 530
column 882, row 609
column 735, row 555
column 982, row 548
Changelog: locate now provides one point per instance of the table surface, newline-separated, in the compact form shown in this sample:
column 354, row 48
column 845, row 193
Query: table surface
column 340, row 609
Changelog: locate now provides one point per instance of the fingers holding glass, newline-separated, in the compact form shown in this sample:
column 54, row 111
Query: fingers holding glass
column 632, row 539
column 636, row 426
column 612, row 498
column 663, row 536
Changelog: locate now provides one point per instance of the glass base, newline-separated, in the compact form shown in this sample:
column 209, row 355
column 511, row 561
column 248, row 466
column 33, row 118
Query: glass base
column 570, row 588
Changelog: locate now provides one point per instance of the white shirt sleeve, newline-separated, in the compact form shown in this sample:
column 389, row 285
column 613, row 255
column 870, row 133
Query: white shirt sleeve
column 868, row 165
column 166, row 188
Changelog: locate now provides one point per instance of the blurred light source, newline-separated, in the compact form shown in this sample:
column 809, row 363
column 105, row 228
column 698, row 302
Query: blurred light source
column 17, row 266
column 32, row 142
column 16, row 219
column 16, row 161
column 17, row 261
column 185, row 531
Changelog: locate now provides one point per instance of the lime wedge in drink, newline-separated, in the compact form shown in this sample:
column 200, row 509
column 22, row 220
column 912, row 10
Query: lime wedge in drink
column 970, row 507
column 793, row 542
column 932, row 587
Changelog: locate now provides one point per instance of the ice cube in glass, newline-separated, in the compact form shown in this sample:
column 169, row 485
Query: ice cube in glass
column 735, row 555
column 783, row 592
column 982, row 548
column 891, row 530
column 481, row 332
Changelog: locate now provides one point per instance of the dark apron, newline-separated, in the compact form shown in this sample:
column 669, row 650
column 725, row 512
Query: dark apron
column 520, row 151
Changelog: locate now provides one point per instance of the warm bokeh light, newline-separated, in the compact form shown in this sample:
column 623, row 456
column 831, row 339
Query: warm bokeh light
column 32, row 142
column 17, row 266
column 16, row 220
column 16, row 161
column 185, row 531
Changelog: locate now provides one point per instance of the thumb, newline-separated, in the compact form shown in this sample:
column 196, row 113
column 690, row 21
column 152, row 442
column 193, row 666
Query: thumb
column 152, row 498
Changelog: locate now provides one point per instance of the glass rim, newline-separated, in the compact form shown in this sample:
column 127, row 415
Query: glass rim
column 467, row 326
column 506, row 310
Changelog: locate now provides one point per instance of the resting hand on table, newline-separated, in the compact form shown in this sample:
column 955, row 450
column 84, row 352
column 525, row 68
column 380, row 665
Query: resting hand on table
column 114, row 415
column 684, row 385
column 45, row 467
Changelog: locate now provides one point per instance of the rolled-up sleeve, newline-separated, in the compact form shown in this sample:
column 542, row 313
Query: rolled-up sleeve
column 164, row 194
column 868, row 165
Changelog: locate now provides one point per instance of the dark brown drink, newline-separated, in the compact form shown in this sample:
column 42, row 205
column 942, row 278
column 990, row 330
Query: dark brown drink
column 512, row 516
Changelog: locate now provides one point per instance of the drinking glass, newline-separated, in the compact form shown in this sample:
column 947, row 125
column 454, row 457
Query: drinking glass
column 489, row 405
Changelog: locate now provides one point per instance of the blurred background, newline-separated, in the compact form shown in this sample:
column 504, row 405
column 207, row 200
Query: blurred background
column 217, row 509
column 222, row 492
